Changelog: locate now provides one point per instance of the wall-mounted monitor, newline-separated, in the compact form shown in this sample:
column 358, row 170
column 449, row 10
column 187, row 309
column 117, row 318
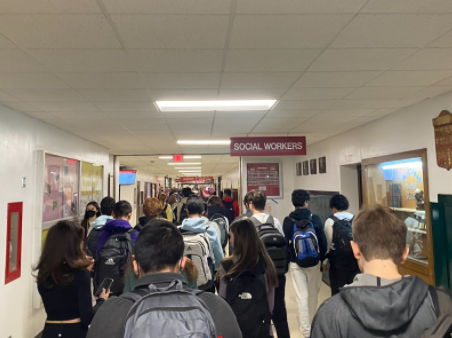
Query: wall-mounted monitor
column 127, row 177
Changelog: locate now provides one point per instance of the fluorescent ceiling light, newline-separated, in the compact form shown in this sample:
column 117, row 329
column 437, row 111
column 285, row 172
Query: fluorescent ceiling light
column 192, row 156
column 403, row 165
column 190, row 171
column 165, row 157
column 204, row 142
column 183, row 163
column 188, row 168
column 232, row 105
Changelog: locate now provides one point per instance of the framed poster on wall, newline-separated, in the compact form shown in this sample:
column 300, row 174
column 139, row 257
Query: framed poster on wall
column 265, row 177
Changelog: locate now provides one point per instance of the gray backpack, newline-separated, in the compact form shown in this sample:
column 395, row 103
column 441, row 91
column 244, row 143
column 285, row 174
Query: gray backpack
column 170, row 312
column 442, row 303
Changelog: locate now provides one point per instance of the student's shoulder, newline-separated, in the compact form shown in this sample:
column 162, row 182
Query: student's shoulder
column 215, row 303
column 330, row 310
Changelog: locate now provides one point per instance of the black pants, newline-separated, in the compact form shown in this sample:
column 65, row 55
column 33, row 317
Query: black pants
column 75, row 330
column 340, row 277
column 279, row 316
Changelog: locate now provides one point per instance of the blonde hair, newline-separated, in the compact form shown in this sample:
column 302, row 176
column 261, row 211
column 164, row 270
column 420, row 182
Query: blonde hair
column 152, row 207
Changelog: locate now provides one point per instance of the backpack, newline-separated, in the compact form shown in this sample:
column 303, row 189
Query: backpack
column 223, row 225
column 230, row 213
column 91, row 242
column 305, row 243
column 246, row 294
column 113, row 260
column 341, row 254
column 443, row 307
column 197, row 248
column 183, row 214
column 168, row 312
column 275, row 243
column 163, row 213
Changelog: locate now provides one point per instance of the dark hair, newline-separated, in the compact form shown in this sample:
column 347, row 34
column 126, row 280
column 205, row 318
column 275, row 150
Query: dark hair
column 172, row 199
column 195, row 205
column 152, row 207
column 249, row 249
column 257, row 198
column 162, row 198
column 245, row 200
column 227, row 192
column 380, row 234
column 339, row 202
column 299, row 197
column 106, row 205
column 62, row 254
column 214, row 200
column 159, row 246
column 122, row 209
column 186, row 192
column 85, row 217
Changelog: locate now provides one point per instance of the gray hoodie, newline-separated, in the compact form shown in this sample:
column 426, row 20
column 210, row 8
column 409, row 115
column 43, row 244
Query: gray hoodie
column 372, row 307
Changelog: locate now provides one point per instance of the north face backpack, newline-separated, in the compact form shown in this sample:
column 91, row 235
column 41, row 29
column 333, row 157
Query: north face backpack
column 223, row 225
column 197, row 248
column 168, row 313
column 230, row 213
column 275, row 243
column 341, row 254
column 91, row 242
column 305, row 244
column 442, row 303
column 246, row 294
column 113, row 260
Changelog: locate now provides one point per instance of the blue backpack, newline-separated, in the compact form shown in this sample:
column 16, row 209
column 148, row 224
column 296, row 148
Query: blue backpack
column 306, row 244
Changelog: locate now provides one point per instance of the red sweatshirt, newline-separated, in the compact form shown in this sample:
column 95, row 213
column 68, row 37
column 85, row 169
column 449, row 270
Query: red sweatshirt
column 235, row 205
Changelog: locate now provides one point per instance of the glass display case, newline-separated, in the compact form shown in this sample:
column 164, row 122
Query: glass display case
column 400, row 181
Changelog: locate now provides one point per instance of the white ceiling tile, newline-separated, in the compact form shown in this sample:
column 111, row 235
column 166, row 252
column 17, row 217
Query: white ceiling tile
column 408, row 6
column 381, row 93
column 168, row 6
column 44, row 95
column 20, row 106
column 15, row 60
column 321, row 119
column 447, row 82
column 58, row 30
column 115, row 94
column 48, row 6
column 172, row 31
column 304, row 104
column 297, row 6
column 269, row 60
column 130, row 114
column 259, row 80
column 317, row 93
column 394, row 30
column 182, row 115
column 314, row 127
column 149, row 125
column 39, row 115
column 5, row 43
column 344, row 112
column 288, row 122
column 122, row 106
column 7, row 97
column 360, row 104
column 181, row 80
column 444, row 41
column 410, row 78
column 251, row 94
column 429, row 92
column 21, row 80
column 360, row 59
column 365, row 119
column 75, row 106
column 181, row 94
column 228, row 130
column 234, row 115
column 285, row 31
column 382, row 112
column 293, row 113
column 336, row 79
column 232, row 121
column 80, row 115
column 103, row 80
column 428, row 59
column 177, row 60
column 207, row 122
column 83, row 60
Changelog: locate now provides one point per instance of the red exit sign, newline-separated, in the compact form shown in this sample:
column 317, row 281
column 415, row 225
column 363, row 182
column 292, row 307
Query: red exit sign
column 178, row 158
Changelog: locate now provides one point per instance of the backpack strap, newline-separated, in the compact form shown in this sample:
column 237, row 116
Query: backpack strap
column 134, row 295
column 441, row 299
column 227, row 264
column 166, row 207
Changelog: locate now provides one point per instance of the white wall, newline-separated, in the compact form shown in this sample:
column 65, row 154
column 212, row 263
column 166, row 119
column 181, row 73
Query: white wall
column 408, row 129
column 20, row 139
column 231, row 179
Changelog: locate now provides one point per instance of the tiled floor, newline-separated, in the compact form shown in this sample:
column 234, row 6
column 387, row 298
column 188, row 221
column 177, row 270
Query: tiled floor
column 292, row 309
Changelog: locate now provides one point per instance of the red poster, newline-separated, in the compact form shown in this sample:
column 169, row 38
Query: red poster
column 268, row 146
column 265, row 177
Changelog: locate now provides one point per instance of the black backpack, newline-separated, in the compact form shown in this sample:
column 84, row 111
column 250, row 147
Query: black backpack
column 91, row 242
column 223, row 225
column 183, row 214
column 341, row 256
column 275, row 243
column 230, row 213
column 246, row 294
column 163, row 213
column 442, row 303
column 113, row 260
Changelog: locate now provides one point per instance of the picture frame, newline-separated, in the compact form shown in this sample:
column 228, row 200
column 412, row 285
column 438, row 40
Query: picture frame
column 314, row 166
column 322, row 165
column 306, row 168
column 298, row 168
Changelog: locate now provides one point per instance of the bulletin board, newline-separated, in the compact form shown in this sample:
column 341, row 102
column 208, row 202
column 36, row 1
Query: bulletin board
column 265, row 177
column 91, row 185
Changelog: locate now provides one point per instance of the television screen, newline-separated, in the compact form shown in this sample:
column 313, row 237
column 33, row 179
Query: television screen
column 127, row 177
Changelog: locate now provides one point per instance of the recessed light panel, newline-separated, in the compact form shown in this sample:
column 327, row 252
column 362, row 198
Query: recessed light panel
column 225, row 142
column 233, row 105
column 182, row 163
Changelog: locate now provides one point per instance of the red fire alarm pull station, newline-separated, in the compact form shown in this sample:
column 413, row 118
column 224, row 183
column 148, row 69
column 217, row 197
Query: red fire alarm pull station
column 178, row 158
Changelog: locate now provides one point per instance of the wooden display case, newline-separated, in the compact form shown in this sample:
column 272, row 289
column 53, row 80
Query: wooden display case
column 396, row 181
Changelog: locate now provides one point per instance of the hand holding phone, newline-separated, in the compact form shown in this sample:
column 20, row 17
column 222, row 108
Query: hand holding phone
column 106, row 284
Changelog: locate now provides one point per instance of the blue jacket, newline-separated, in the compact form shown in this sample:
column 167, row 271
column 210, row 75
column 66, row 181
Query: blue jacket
column 198, row 225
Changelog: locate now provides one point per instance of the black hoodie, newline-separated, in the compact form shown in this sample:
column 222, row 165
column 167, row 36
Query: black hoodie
column 142, row 222
column 298, row 215
column 216, row 209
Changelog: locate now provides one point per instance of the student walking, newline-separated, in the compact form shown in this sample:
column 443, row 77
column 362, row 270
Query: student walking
column 307, row 247
column 338, row 232
column 167, row 212
column 248, row 280
column 152, row 209
column 106, row 207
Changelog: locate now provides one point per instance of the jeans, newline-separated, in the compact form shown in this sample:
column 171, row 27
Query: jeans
column 279, row 316
column 306, row 282
column 339, row 278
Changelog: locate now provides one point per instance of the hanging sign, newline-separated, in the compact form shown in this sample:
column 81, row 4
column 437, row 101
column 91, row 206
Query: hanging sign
column 195, row 179
column 268, row 146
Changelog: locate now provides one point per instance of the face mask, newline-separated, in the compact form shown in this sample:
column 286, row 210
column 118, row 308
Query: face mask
column 98, row 214
column 90, row 213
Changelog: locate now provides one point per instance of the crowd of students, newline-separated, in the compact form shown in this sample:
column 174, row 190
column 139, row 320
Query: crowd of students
column 174, row 275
